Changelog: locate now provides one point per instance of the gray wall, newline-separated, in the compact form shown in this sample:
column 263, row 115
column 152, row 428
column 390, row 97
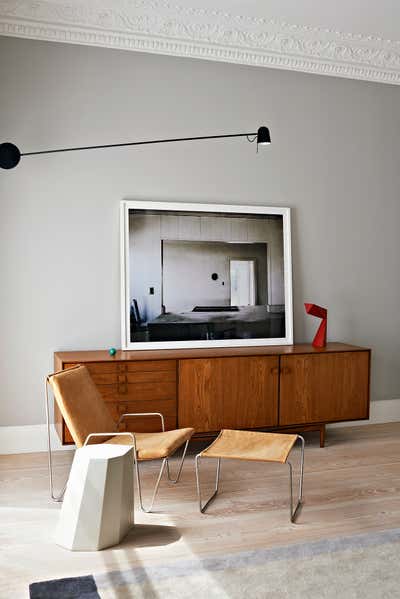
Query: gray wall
column 188, row 266
column 334, row 160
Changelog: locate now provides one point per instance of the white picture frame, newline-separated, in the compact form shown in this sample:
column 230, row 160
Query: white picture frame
column 129, row 208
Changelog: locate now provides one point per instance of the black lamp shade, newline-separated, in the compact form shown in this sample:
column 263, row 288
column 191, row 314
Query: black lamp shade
column 263, row 136
column 9, row 155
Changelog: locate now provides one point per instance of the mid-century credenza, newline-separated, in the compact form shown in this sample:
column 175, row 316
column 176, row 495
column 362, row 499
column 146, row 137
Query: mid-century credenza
column 286, row 388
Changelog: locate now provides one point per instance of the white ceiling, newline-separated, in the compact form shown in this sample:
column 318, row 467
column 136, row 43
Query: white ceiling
column 366, row 17
column 359, row 39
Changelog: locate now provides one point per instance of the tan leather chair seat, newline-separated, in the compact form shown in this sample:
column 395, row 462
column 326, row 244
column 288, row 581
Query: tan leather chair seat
column 154, row 446
column 249, row 445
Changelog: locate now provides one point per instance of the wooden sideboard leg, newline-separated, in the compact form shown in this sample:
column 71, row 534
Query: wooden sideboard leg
column 322, row 435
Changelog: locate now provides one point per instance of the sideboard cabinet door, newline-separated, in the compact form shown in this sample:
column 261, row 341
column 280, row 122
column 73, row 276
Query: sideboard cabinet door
column 237, row 392
column 324, row 387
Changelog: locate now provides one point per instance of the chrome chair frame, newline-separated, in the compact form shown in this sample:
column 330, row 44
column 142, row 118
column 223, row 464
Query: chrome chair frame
column 293, row 512
column 165, row 462
column 59, row 497
column 213, row 496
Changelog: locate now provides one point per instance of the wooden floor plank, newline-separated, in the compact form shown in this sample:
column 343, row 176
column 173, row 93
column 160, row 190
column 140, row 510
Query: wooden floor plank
column 351, row 486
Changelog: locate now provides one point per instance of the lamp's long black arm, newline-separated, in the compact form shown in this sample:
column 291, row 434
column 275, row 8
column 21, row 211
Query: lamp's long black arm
column 10, row 155
column 138, row 143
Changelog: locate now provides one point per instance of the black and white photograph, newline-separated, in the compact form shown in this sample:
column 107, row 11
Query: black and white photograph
column 205, row 276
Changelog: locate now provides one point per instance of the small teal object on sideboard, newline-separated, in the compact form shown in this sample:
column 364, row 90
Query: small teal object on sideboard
column 112, row 351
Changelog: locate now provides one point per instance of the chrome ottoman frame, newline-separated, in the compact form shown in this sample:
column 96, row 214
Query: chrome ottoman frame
column 294, row 511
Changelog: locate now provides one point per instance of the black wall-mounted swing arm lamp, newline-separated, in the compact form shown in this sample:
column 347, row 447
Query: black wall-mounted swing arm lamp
column 10, row 155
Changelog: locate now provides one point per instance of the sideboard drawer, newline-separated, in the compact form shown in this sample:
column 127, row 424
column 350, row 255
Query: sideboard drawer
column 138, row 391
column 97, row 367
column 105, row 373
column 126, row 366
column 133, row 378
column 146, row 424
column 152, row 366
column 149, row 376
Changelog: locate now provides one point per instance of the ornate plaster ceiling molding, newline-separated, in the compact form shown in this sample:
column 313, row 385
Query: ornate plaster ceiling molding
column 158, row 27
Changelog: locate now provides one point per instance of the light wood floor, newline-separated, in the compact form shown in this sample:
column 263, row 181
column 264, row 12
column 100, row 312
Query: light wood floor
column 351, row 486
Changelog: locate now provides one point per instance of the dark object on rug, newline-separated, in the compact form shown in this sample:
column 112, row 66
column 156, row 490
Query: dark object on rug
column 81, row 587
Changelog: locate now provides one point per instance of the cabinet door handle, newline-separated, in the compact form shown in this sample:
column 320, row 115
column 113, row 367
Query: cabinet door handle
column 275, row 370
column 122, row 384
column 285, row 370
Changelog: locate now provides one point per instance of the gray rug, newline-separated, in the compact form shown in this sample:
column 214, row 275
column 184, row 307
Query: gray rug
column 358, row 567
column 81, row 587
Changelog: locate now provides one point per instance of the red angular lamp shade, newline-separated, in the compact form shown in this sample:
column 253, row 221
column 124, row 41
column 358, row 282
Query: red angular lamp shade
column 320, row 336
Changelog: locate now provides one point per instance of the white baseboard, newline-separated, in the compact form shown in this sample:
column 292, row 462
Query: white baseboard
column 386, row 410
column 30, row 439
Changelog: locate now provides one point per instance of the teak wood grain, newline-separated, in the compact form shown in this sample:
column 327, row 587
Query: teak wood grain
column 139, row 391
column 328, row 388
column 288, row 388
column 165, row 355
column 240, row 392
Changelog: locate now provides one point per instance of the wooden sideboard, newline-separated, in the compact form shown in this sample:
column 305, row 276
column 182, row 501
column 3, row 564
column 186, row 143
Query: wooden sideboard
column 286, row 388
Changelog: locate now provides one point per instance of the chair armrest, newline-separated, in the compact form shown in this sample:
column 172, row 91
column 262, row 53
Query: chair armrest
column 144, row 414
column 114, row 434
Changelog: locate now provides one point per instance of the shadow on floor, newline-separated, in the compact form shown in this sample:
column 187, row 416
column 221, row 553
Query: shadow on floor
column 150, row 535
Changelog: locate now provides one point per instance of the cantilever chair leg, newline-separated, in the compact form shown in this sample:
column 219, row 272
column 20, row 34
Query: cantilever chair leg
column 54, row 497
column 294, row 512
column 213, row 496
column 178, row 476
column 139, row 486
column 164, row 463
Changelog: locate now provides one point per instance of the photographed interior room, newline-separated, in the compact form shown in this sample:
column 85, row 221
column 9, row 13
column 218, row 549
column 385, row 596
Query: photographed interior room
column 205, row 276
column 199, row 299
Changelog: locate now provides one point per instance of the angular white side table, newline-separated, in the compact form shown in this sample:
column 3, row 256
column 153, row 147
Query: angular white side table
column 98, row 507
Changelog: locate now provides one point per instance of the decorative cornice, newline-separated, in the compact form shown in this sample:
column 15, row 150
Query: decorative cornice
column 158, row 27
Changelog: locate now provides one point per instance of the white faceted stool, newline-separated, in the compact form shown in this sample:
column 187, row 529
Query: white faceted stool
column 98, row 508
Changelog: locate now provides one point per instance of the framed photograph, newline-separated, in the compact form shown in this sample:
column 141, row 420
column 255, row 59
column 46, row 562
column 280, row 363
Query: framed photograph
column 205, row 275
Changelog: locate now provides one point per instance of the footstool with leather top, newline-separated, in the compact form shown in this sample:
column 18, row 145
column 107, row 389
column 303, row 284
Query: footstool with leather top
column 256, row 447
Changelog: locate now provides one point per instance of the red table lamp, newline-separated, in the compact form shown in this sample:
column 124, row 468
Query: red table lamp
column 320, row 336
